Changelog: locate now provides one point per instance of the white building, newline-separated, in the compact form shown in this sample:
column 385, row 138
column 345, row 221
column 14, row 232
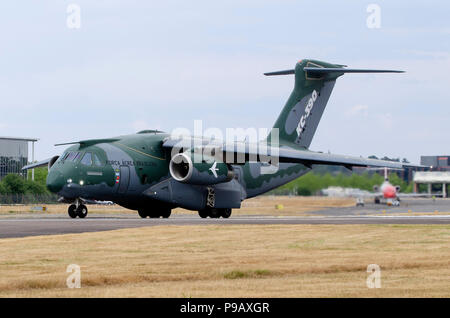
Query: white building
column 430, row 178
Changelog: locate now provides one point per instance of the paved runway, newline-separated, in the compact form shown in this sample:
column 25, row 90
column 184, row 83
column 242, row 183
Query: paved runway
column 21, row 226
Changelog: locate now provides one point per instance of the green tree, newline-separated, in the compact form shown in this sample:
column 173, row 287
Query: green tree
column 33, row 187
column 14, row 184
column 396, row 181
column 313, row 182
column 40, row 175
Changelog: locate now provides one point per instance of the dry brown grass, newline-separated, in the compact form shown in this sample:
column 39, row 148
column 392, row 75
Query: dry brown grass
column 265, row 205
column 294, row 205
column 232, row 261
column 59, row 209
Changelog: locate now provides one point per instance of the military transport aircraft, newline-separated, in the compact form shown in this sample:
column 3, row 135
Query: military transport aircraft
column 153, row 172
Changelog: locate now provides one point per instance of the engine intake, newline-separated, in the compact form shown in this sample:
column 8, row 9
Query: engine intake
column 193, row 169
column 52, row 161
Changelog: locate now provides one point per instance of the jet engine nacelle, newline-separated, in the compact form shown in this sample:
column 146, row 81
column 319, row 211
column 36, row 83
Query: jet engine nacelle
column 52, row 161
column 193, row 169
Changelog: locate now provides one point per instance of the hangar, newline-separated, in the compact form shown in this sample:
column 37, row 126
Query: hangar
column 14, row 154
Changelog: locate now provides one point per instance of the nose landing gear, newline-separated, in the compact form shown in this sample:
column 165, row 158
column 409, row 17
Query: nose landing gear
column 78, row 209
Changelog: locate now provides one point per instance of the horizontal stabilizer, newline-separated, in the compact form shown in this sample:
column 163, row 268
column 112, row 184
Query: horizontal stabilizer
column 328, row 70
column 346, row 70
column 286, row 72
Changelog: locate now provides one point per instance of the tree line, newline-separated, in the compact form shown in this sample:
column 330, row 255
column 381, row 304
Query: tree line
column 16, row 184
column 312, row 182
column 14, row 189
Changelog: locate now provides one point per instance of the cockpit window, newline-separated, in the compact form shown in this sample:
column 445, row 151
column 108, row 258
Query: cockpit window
column 72, row 156
column 97, row 161
column 87, row 159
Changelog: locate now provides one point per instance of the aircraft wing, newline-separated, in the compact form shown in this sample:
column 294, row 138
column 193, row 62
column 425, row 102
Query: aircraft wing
column 43, row 163
column 241, row 152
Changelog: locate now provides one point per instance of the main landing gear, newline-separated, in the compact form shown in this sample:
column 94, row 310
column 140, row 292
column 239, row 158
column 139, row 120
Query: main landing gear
column 77, row 209
column 215, row 213
column 155, row 213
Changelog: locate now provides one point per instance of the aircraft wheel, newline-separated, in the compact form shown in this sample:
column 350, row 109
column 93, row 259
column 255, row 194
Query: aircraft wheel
column 72, row 211
column 225, row 213
column 82, row 211
column 214, row 213
column 203, row 214
column 166, row 213
column 142, row 213
column 154, row 215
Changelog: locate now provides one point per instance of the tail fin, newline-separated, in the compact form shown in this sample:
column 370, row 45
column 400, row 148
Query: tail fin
column 314, row 82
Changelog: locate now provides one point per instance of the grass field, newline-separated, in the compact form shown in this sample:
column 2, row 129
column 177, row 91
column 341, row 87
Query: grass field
column 232, row 261
column 266, row 205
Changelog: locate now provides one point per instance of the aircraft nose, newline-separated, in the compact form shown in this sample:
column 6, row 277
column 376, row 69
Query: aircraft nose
column 55, row 181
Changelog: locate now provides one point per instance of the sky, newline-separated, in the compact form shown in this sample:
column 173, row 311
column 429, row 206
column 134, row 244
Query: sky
column 134, row 65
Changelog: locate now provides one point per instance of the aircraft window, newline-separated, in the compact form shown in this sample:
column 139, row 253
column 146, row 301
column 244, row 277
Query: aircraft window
column 87, row 159
column 72, row 156
column 97, row 161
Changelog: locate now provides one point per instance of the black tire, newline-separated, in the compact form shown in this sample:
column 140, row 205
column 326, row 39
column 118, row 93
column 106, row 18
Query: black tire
column 225, row 213
column 72, row 211
column 214, row 213
column 82, row 211
column 154, row 215
column 142, row 213
column 203, row 214
column 166, row 213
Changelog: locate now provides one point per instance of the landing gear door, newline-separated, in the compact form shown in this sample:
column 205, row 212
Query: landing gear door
column 239, row 180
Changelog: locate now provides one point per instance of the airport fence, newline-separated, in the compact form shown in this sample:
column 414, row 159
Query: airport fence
column 28, row 198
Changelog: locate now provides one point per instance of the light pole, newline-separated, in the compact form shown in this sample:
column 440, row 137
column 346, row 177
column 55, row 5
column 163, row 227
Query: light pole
column 32, row 160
